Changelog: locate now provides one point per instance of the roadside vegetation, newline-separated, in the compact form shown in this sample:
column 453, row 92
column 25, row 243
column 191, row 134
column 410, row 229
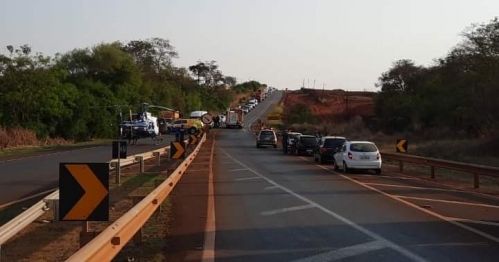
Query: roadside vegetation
column 76, row 96
column 446, row 110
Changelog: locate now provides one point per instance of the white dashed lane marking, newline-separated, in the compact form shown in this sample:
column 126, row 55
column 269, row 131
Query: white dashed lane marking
column 403, row 251
column 247, row 178
column 239, row 169
column 346, row 252
column 286, row 209
column 447, row 201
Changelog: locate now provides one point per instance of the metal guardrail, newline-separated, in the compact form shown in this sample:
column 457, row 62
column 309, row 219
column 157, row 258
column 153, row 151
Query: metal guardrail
column 109, row 243
column 21, row 221
column 15, row 225
column 475, row 170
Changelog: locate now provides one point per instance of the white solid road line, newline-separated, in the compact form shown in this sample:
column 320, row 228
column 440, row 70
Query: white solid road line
column 345, row 252
column 447, row 201
column 473, row 221
column 286, row 209
column 238, row 169
column 360, row 228
column 402, row 186
column 50, row 154
column 271, row 187
column 247, row 178
column 444, row 218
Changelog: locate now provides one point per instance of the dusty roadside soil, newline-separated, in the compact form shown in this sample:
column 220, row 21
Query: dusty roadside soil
column 189, row 208
column 45, row 240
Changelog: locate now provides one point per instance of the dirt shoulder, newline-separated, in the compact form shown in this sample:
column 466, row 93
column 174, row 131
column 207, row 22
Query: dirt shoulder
column 189, row 209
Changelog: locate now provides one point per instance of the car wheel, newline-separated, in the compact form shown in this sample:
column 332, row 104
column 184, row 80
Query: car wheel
column 378, row 171
column 336, row 167
column 345, row 168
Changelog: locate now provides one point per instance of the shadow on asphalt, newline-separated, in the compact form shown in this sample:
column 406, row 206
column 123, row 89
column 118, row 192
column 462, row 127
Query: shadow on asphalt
column 434, row 240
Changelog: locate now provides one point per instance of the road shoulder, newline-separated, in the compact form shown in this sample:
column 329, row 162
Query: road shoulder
column 189, row 209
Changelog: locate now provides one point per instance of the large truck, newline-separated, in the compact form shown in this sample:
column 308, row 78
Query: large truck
column 259, row 95
column 234, row 118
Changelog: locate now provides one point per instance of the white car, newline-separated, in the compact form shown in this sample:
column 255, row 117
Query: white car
column 358, row 155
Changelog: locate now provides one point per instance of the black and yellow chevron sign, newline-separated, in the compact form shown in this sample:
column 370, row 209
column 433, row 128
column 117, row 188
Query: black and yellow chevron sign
column 402, row 145
column 193, row 139
column 84, row 191
column 177, row 149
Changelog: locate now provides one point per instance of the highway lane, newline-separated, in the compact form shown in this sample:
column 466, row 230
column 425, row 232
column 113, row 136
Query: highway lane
column 25, row 176
column 261, row 109
column 275, row 207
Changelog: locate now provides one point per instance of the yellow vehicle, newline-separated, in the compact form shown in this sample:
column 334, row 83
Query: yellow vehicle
column 190, row 126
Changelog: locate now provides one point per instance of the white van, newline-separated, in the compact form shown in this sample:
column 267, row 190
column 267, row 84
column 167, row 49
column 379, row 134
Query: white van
column 197, row 114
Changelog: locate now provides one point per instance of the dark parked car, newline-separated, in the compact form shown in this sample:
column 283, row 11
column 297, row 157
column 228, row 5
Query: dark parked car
column 305, row 144
column 327, row 147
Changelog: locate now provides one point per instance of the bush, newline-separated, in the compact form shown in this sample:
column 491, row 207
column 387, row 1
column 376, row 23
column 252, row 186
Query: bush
column 20, row 137
column 15, row 137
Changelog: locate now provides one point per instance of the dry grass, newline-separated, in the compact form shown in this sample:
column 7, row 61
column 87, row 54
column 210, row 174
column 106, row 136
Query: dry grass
column 482, row 151
column 20, row 137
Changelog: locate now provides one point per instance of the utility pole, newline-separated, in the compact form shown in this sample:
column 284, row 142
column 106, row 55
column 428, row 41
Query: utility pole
column 323, row 85
column 346, row 104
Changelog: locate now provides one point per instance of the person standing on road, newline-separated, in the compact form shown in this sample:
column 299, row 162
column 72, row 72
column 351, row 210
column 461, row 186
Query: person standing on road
column 217, row 121
column 285, row 142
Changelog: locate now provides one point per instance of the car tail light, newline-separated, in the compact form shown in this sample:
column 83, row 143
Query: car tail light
column 377, row 156
column 324, row 150
column 350, row 156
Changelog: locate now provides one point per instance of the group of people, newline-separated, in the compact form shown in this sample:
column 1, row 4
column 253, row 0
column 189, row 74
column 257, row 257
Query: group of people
column 216, row 121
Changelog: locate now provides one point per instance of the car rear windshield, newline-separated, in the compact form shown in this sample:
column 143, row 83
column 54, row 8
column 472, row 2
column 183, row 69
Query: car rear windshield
column 333, row 143
column 267, row 133
column 308, row 141
column 363, row 147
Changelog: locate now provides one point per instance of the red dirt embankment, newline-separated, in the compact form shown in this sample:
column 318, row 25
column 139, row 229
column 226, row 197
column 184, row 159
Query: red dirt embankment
column 330, row 104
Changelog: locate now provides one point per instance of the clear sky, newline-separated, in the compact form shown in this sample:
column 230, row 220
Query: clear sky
column 342, row 44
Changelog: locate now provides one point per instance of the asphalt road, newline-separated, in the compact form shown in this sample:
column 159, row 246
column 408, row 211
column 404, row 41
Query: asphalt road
column 24, row 176
column 275, row 207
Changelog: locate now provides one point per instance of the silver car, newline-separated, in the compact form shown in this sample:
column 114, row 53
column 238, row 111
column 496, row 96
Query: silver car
column 266, row 138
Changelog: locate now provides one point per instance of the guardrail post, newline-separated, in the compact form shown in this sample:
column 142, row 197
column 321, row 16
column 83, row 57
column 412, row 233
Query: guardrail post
column 476, row 181
column 117, row 167
column 141, row 164
column 85, row 235
column 137, row 238
column 54, row 205
column 157, row 155
column 433, row 172
column 401, row 166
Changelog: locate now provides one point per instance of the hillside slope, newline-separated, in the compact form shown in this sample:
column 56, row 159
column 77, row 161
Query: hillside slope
column 330, row 104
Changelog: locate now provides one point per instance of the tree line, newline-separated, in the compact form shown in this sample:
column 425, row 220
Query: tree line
column 457, row 95
column 76, row 95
